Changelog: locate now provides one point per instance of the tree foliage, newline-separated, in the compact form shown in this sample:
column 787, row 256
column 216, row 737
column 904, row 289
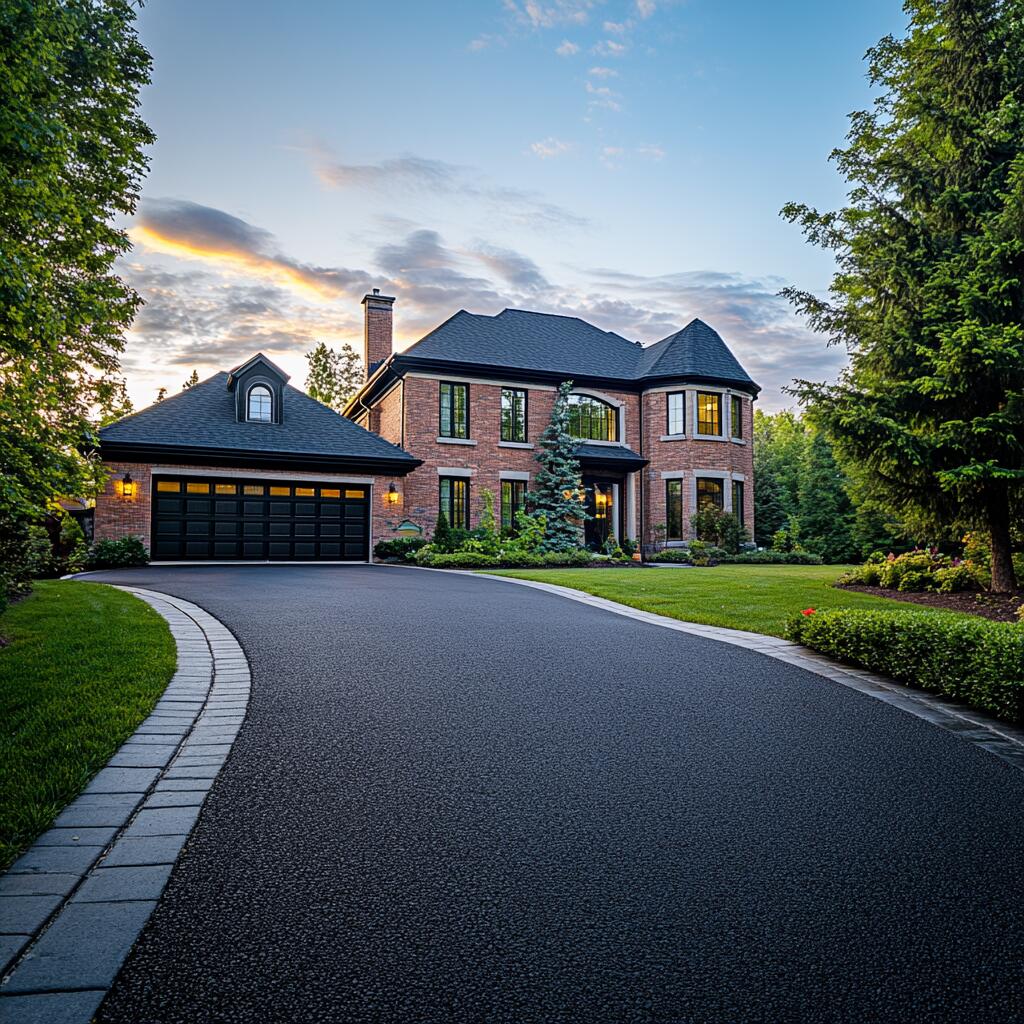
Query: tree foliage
column 71, row 163
column 333, row 377
column 558, row 487
column 928, row 297
column 191, row 382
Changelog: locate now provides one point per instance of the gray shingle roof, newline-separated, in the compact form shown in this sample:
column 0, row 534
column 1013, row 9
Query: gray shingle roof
column 203, row 416
column 522, row 340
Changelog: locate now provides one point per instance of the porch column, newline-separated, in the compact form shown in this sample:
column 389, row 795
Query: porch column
column 631, row 505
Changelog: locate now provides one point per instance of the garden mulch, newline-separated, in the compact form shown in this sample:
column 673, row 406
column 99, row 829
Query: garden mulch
column 999, row 607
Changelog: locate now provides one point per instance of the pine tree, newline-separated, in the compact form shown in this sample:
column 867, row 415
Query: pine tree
column 826, row 512
column 161, row 394
column 770, row 515
column 191, row 382
column 928, row 298
column 558, row 488
column 334, row 377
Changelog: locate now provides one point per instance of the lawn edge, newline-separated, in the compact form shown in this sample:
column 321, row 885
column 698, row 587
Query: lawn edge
column 148, row 798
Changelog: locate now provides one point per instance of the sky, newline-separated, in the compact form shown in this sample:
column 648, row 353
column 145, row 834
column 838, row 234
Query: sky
column 623, row 161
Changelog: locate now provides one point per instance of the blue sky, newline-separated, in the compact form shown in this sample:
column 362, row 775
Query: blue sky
column 622, row 161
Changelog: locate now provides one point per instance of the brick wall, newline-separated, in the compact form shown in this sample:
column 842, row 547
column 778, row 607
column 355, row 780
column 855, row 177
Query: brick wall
column 118, row 516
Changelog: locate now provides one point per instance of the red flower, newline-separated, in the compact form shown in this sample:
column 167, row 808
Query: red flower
column 807, row 611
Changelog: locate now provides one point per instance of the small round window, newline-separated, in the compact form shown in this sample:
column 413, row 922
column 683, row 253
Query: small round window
column 260, row 404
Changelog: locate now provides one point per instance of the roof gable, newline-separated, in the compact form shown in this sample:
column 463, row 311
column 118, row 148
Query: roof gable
column 257, row 362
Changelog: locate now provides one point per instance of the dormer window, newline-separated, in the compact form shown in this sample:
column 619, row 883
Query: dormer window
column 261, row 405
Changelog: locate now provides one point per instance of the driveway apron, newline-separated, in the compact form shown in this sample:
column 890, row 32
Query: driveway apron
column 453, row 799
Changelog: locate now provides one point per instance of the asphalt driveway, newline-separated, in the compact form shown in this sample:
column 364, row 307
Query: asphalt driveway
column 455, row 799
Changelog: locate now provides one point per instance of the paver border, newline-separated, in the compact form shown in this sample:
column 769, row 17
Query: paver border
column 73, row 905
column 1003, row 740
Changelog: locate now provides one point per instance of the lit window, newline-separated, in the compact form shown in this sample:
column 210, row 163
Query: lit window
column 737, row 502
column 252, row 489
column 260, row 404
column 225, row 488
column 305, row 492
column 513, row 501
column 709, row 492
column 330, row 492
column 677, row 412
column 590, row 419
column 454, row 500
column 513, row 414
column 197, row 488
column 280, row 492
column 355, row 494
column 454, row 410
column 737, row 416
column 674, row 509
column 171, row 486
column 709, row 414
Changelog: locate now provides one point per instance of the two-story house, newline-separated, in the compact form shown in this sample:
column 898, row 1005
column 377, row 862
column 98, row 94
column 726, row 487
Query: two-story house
column 662, row 429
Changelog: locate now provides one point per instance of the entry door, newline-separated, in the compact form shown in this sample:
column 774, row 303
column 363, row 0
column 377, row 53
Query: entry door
column 602, row 510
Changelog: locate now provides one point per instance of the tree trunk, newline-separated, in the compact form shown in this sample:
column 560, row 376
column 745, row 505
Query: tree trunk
column 1003, row 578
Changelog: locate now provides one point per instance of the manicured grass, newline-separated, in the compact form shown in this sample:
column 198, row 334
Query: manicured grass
column 84, row 665
column 760, row 598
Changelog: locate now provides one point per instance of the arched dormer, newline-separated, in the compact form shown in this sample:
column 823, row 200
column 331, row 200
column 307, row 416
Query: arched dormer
column 259, row 388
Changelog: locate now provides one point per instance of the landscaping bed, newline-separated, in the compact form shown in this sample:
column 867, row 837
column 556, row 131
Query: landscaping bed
column 998, row 607
column 82, row 667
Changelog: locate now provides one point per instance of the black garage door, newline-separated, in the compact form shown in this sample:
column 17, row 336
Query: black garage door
column 275, row 520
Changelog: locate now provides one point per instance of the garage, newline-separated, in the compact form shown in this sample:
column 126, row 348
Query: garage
column 196, row 518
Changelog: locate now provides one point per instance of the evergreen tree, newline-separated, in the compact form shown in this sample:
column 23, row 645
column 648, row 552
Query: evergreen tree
column 929, row 298
column 334, row 377
column 558, row 488
column 825, row 510
column 769, row 514
column 161, row 394
column 192, row 381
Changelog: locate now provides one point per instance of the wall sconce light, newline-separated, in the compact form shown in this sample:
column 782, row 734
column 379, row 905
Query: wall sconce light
column 128, row 486
column 392, row 496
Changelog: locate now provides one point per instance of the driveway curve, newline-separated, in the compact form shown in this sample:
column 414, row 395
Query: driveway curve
column 455, row 799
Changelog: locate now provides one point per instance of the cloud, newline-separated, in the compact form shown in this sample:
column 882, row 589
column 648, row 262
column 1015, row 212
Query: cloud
column 480, row 43
column 617, row 28
column 513, row 267
column 609, row 48
column 550, row 147
column 414, row 174
column 188, row 230
column 567, row 49
column 602, row 72
column 651, row 152
column 538, row 15
column 645, row 8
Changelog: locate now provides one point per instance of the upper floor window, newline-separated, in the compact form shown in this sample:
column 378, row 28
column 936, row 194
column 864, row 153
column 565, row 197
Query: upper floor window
column 677, row 412
column 260, row 407
column 736, row 416
column 454, row 416
column 590, row 419
column 513, row 414
column 709, row 413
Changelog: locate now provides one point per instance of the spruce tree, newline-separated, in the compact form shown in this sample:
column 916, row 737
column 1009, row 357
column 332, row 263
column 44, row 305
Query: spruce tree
column 558, row 488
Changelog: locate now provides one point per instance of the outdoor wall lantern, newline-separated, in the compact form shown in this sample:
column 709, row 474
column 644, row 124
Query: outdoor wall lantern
column 392, row 494
column 128, row 486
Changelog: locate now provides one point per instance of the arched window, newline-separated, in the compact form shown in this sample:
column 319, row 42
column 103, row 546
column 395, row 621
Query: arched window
column 260, row 404
column 590, row 419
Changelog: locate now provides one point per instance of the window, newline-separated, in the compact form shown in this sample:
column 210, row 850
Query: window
column 709, row 492
column 513, row 500
column 677, row 412
column 260, row 404
column 330, row 492
column 305, row 492
column 168, row 485
column 709, row 414
column 280, row 492
column 736, row 416
column 454, row 418
column 674, row 509
column 225, row 488
column 513, row 415
column 590, row 419
column 354, row 494
column 252, row 489
column 454, row 503
column 737, row 501
column 197, row 488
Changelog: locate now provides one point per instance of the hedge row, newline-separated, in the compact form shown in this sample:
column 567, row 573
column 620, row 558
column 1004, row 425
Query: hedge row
column 972, row 660
column 509, row 560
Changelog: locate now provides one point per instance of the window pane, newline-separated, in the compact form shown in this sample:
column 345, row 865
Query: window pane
column 226, row 488
column 454, row 411
column 445, row 425
column 197, row 488
column 737, row 502
column 709, row 492
column 330, row 492
column 590, row 419
column 172, row 486
column 709, row 413
column 355, row 494
column 259, row 404
column 674, row 509
column 280, row 492
column 252, row 489
column 736, row 415
column 677, row 413
column 305, row 492
column 513, row 500
column 513, row 414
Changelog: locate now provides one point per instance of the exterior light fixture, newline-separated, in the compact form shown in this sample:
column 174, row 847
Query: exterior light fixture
column 127, row 485
column 392, row 494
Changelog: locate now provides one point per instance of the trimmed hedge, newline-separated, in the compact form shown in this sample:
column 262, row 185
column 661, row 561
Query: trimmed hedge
column 972, row 660
column 511, row 560
column 117, row 554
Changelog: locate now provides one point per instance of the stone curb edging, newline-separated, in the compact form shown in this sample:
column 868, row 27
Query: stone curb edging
column 72, row 906
column 1000, row 738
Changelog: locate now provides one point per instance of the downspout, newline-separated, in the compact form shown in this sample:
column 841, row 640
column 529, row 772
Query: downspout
column 640, row 481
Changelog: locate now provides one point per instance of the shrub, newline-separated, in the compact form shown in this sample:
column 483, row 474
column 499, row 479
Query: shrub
column 463, row 560
column 400, row 548
column 72, row 550
column 773, row 558
column 719, row 528
column 117, row 554
column 972, row 660
column 678, row 555
column 954, row 578
column 568, row 559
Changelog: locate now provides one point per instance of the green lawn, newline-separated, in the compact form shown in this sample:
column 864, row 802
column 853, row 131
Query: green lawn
column 84, row 665
column 760, row 598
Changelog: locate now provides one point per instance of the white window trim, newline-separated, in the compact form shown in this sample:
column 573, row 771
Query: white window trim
column 455, row 440
column 515, row 444
column 455, row 471
column 675, row 437
column 674, row 474
column 620, row 408
column 248, row 396
column 513, row 474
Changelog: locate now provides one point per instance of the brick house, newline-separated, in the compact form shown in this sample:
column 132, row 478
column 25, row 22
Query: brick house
column 244, row 466
column 663, row 429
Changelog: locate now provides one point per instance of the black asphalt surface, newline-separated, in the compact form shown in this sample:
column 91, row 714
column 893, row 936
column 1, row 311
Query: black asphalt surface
column 455, row 799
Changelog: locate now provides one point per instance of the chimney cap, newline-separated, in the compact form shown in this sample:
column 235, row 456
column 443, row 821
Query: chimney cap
column 376, row 298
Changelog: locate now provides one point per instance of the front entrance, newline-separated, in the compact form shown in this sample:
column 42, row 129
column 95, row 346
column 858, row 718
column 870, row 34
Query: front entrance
column 604, row 509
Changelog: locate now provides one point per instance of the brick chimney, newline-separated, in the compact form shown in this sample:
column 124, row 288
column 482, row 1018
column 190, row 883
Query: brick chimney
column 376, row 329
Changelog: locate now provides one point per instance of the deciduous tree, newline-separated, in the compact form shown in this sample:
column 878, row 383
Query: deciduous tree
column 334, row 377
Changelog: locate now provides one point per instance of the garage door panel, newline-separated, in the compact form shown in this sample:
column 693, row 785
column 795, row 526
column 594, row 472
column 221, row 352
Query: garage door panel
column 200, row 519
